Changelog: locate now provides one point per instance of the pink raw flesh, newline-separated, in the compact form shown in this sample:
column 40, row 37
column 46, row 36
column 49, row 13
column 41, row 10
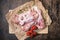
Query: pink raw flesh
column 31, row 17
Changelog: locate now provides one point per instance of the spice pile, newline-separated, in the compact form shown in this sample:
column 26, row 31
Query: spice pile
column 30, row 21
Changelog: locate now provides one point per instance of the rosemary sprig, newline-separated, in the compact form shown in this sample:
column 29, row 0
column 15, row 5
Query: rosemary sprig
column 20, row 11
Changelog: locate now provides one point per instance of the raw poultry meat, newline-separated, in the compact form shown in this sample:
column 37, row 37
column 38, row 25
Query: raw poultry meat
column 31, row 17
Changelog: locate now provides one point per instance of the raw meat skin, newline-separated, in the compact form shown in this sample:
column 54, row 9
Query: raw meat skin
column 31, row 17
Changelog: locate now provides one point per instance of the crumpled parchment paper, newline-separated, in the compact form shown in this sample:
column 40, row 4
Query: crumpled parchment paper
column 15, row 29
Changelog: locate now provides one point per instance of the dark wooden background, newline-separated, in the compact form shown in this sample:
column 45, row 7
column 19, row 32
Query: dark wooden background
column 53, row 7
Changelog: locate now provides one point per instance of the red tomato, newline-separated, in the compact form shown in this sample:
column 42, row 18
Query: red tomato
column 34, row 33
column 33, row 27
column 28, row 33
column 31, row 32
